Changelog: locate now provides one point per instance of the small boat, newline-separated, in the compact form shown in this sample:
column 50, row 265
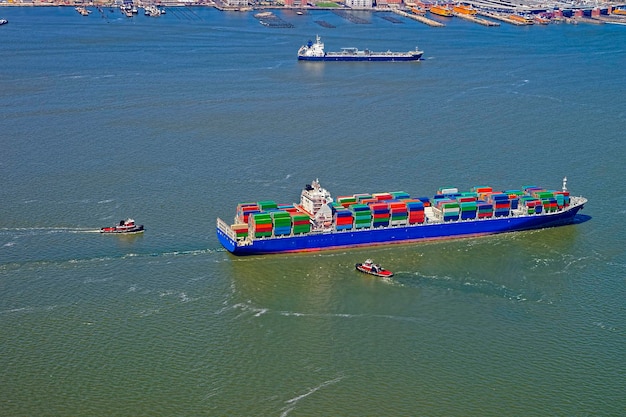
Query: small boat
column 83, row 11
column 619, row 11
column 3, row 21
column 463, row 8
column 152, row 11
column 127, row 226
column 441, row 10
column 520, row 19
column 369, row 267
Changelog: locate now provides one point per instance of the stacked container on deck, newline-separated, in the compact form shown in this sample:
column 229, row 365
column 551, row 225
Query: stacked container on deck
column 244, row 210
column 240, row 229
column 514, row 196
column 501, row 204
column 266, row 218
column 447, row 207
column 484, row 209
column 346, row 201
column 380, row 214
column 450, row 209
column 301, row 223
column 530, row 200
column 468, row 205
column 342, row 217
column 282, row 223
column 415, row 210
column 362, row 215
column 260, row 225
column 562, row 198
column 399, row 212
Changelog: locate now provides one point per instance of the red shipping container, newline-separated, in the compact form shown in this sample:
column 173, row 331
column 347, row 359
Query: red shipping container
column 262, row 228
column 416, row 220
column 382, row 196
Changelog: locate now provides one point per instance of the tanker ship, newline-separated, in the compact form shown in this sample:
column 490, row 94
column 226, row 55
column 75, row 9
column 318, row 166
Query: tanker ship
column 315, row 52
column 319, row 222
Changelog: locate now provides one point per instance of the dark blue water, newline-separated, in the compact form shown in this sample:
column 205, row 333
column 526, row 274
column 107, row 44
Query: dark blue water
column 174, row 120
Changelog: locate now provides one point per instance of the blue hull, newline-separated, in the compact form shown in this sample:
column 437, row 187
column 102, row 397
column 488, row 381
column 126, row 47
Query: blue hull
column 361, row 58
column 398, row 234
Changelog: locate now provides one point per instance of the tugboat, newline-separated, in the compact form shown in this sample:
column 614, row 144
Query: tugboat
column 127, row 226
column 369, row 267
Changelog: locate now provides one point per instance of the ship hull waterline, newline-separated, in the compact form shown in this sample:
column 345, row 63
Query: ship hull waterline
column 360, row 58
column 398, row 234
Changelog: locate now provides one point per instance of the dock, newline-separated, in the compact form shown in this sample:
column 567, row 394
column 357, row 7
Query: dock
column 472, row 18
column 419, row 18
column 503, row 18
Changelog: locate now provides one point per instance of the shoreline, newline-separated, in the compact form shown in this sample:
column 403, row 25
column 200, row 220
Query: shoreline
column 527, row 12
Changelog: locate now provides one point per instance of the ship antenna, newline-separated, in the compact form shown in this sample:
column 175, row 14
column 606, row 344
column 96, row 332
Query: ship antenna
column 564, row 184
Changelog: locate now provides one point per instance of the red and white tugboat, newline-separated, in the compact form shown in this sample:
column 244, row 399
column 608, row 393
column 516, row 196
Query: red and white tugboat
column 369, row 267
column 127, row 226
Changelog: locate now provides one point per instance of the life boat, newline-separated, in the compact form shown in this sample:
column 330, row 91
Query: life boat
column 369, row 267
column 127, row 226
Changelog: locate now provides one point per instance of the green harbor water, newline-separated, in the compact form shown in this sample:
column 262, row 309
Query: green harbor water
column 176, row 120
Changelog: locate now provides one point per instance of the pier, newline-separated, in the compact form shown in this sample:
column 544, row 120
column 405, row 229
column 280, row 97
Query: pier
column 472, row 18
column 491, row 12
column 419, row 18
column 504, row 18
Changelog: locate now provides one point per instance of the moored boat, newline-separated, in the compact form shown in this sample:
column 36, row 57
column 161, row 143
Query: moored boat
column 320, row 222
column 314, row 51
column 521, row 19
column 441, row 10
column 369, row 267
column 463, row 8
column 83, row 11
column 152, row 11
column 127, row 226
column 541, row 20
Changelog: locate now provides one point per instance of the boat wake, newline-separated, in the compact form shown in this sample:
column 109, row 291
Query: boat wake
column 46, row 230
column 468, row 285
column 293, row 401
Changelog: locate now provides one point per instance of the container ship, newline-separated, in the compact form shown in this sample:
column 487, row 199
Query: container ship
column 314, row 51
column 320, row 222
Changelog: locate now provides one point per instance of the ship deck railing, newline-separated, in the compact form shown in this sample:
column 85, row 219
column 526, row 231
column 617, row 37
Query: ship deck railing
column 228, row 231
